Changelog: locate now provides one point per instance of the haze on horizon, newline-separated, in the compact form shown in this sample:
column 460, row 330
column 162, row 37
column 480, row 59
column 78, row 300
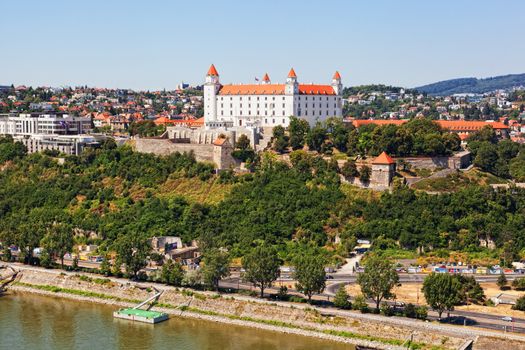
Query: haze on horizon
column 157, row 44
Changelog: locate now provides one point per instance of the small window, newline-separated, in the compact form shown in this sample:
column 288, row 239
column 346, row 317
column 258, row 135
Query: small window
column 273, row 121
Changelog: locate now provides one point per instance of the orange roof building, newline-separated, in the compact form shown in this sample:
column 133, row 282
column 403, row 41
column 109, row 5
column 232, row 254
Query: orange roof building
column 268, row 104
column 457, row 126
column 384, row 158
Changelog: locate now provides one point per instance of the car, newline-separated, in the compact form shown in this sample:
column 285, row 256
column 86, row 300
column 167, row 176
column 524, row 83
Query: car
column 507, row 319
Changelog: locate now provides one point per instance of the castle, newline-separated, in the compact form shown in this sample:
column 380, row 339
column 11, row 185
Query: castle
column 266, row 105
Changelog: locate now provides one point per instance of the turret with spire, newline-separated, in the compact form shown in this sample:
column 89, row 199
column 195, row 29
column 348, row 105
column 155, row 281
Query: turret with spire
column 336, row 83
column 211, row 89
column 266, row 79
column 292, row 87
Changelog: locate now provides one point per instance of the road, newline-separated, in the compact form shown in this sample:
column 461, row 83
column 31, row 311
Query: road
column 477, row 319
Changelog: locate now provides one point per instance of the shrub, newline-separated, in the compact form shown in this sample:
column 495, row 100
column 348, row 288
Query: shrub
column 341, row 299
column 360, row 304
column 421, row 312
column 386, row 309
column 520, row 304
column 519, row 283
column 410, row 310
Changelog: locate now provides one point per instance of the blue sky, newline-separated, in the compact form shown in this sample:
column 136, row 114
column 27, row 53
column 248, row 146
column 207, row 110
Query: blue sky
column 156, row 44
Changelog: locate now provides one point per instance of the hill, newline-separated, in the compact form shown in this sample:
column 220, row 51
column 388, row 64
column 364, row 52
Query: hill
column 473, row 85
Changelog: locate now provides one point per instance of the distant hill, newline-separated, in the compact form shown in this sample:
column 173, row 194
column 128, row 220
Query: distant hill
column 473, row 85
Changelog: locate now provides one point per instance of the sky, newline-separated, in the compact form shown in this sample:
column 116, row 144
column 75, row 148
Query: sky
column 157, row 44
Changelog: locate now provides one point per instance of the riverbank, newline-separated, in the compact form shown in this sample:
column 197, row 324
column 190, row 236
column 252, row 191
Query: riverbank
column 371, row 331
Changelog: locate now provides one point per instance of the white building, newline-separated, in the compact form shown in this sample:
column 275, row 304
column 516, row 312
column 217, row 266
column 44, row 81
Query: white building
column 29, row 124
column 39, row 131
column 267, row 104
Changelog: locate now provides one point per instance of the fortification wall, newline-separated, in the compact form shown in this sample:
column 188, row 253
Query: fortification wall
column 459, row 160
column 162, row 147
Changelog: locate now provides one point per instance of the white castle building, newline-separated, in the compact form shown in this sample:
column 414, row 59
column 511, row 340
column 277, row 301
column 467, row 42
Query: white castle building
column 266, row 105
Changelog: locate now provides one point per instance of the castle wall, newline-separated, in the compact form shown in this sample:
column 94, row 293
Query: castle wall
column 163, row 147
column 459, row 160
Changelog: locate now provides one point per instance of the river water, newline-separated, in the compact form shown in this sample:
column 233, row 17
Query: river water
column 29, row 321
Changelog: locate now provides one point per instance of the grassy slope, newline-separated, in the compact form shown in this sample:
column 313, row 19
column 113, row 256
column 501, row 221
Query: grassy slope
column 457, row 181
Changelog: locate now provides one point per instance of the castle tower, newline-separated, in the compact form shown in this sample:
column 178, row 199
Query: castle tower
column 336, row 83
column 383, row 170
column 211, row 88
column 266, row 79
column 292, row 87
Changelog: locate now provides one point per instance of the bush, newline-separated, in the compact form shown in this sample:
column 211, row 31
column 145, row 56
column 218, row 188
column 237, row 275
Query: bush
column 519, row 283
column 341, row 299
column 283, row 293
column 296, row 299
column 520, row 304
column 360, row 304
column 410, row 311
column 386, row 309
column 421, row 312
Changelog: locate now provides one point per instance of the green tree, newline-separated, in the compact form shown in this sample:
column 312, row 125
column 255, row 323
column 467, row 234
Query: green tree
column 341, row 299
column 105, row 267
column 378, row 279
column 262, row 266
column 172, row 273
column 471, row 291
column 58, row 241
column 349, row 169
column 310, row 273
column 45, row 259
column 298, row 129
column 316, row 137
column 502, row 281
column 133, row 249
column 520, row 304
column 365, row 173
column 442, row 292
column 486, row 157
column 216, row 266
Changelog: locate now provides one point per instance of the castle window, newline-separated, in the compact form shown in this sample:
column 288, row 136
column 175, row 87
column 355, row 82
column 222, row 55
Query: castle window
column 283, row 105
column 266, row 98
column 283, row 121
column 257, row 98
column 266, row 121
column 273, row 121
column 249, row 98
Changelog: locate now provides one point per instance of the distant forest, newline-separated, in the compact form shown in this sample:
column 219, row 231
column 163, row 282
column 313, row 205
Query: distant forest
column 473, row 85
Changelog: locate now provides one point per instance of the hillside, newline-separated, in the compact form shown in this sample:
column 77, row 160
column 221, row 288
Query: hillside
column 473, row 85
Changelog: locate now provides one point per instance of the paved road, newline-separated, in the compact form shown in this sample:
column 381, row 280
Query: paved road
column 482, row 320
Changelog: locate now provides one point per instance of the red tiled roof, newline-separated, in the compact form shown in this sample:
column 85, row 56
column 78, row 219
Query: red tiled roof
column 360, row 122
column 253, row 89
column 383, row 158
column 212, row 71
column 457, row 125
column 274, row 89
column 306, row 89
column 454, row 125
column 336, row 75
column 292, row 74
column 219, row 141
column 266, row 77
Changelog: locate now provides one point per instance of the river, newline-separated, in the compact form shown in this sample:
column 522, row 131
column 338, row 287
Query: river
column 29, row 321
